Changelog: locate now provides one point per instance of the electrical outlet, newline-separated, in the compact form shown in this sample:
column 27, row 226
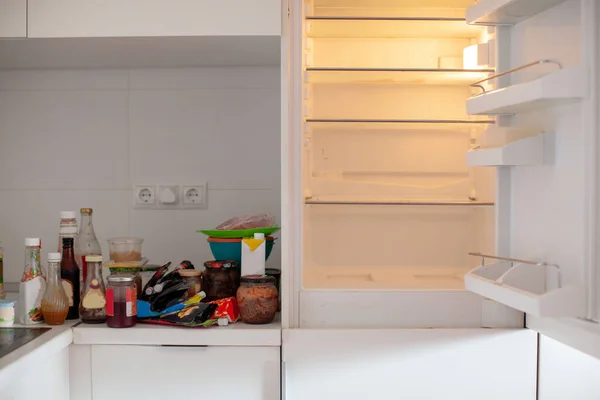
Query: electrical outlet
column 144, row 196
column 194, row 196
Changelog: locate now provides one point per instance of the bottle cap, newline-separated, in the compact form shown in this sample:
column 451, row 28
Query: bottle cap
column 86, row 211
column 68, row 214
column 223, row 321
column 259, row 236
column 93, row 258
column 32, row 242
column 54, row 257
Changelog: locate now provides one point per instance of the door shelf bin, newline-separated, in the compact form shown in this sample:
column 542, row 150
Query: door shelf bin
column 527, row 151
column 531, row 288
column 506, row 12
column 560, row 87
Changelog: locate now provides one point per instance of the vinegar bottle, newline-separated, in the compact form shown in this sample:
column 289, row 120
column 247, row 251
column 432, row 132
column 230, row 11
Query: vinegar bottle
column 69, row 272
column 87, row 243
column 55, row 304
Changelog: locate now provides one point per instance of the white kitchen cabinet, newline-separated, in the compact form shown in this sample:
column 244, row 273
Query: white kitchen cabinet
column 172, row 372
column 409, row 364
column 142, row 18
column 13, row 18
column 49, row 380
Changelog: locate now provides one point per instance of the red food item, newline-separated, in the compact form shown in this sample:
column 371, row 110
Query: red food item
column 227, row 307
column 247, row 222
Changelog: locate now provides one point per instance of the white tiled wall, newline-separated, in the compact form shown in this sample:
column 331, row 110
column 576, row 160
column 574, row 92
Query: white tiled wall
column 82, row 138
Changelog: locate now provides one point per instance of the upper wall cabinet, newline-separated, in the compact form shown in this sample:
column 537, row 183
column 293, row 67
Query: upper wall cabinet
column 150, row 18
column 13, row 18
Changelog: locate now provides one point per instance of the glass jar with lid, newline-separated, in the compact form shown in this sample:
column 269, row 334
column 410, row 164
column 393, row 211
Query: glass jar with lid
column 193, row 278
column 220, row 279
column 121, row 301
column 258, row 299
column 116, row 269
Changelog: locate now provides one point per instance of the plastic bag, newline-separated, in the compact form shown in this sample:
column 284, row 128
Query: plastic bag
column 247, row 222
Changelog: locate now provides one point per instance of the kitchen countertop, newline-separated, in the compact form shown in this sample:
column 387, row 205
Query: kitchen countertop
column 237, row 334
column 24, row 359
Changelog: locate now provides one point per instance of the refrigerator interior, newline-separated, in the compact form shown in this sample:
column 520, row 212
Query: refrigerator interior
column 385, row 127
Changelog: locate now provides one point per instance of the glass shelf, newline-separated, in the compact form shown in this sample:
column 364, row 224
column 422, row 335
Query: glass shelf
column 427, row 76
column 389, row 27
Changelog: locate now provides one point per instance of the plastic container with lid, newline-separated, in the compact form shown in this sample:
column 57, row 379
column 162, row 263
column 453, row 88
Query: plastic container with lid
column 257, row 299
column 121, row 301
column 220, row 279
column 193, row 278
column 125, row 248
column 7, row 313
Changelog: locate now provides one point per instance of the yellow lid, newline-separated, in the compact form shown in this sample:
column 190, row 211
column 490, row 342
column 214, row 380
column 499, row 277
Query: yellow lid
column 93, row 258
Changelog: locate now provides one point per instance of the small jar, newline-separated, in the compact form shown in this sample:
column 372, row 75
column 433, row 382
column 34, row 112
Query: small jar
column 220, row 279
column 194, row 279
column 258, row 299
column 121, row 301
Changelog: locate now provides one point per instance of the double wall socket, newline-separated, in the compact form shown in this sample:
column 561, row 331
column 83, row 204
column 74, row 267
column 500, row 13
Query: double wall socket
column 170, row 196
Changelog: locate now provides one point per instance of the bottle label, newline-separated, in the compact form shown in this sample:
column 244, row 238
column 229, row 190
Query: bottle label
column 68, row 286
column 110, row 302
column 130, row 298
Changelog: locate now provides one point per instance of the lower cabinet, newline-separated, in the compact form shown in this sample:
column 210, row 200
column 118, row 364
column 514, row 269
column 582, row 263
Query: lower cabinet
column 444, row 364
column 47, row 379
column 123, row 372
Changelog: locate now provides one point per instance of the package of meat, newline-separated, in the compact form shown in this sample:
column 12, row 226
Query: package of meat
column 226, row 308
column 247, row 222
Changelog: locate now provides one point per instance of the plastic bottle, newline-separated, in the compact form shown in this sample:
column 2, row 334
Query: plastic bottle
column 32, row 285
column 68, row 227
column 87, row 243
column 55, row 304
column 70, row 274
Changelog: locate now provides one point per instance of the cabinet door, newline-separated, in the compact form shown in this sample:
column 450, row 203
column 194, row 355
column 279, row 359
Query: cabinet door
column 139, row 18
column 410, row 364
column 158, row 373
column 13, row 18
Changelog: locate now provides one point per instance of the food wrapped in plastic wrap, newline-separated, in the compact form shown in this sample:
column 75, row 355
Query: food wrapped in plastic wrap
column 247, row 222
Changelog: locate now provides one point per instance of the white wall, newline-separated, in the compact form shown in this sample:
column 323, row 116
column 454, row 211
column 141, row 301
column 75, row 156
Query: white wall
column 82, row 138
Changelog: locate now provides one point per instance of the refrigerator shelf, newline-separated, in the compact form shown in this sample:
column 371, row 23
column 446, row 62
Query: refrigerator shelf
column 528, row 286
column 527, row 151
column 506, row 12
column 398, row 202
column 428, row 76
column 389, row 27
column 560, row 87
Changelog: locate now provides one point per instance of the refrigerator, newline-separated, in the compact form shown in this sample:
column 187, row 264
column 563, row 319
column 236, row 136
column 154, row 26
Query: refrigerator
column 438, row 193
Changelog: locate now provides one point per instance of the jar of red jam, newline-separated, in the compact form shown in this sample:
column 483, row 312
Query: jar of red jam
column 258, row 299
column 220, row 279
column 121, row 298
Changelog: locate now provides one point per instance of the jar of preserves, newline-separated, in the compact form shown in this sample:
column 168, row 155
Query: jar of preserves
column 258, row 299
column 220, row 279
column 121, row 301
column 194, row 279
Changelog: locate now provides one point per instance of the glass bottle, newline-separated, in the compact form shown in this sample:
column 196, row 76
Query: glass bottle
column 68, row 227
column 69, row 272
column 87, row 243
column 2, row 291
column 121, row 301
column 32, row 285
column 55, row 304
column 92, row 309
